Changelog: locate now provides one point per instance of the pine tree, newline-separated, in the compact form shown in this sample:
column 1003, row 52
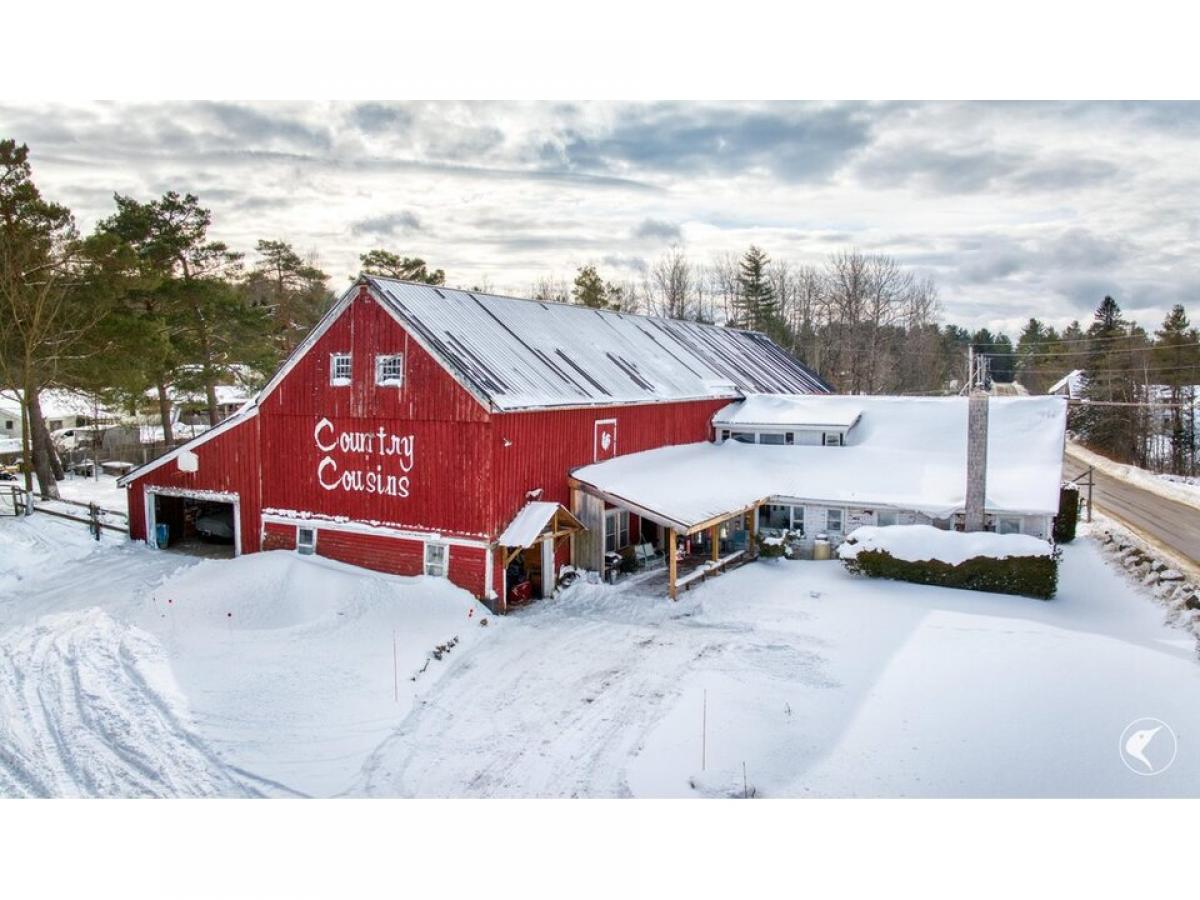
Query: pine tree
column 589, row 289
column 1177, row 361
column 756, row 306
column 405, row 268
column 294, row 291
column 1114, row 374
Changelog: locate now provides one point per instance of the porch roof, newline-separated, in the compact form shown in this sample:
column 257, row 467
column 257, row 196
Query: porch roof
column 531, row 520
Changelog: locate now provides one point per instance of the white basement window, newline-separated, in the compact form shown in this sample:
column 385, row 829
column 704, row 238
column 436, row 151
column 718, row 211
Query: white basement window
column 833, row 439
column 339, row 369
column 389, row 370
column 306, row 541
column 437, row 558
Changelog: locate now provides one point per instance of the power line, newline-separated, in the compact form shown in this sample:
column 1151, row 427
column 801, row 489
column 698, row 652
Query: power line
column 1143, row 349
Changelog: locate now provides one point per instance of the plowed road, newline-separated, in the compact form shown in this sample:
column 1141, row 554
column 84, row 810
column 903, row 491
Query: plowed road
column 1174, row 525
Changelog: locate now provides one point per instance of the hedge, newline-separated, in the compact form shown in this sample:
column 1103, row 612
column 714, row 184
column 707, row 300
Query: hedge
column 1029, row 576
column 1068, row 515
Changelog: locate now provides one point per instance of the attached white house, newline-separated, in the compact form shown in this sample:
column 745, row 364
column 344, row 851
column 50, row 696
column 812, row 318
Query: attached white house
column 822, row 465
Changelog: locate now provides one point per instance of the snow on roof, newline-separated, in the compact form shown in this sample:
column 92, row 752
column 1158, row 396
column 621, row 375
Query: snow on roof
column 906, row 452
column 1071, row 385
column 522, row 354
column 530, row 522
column 789, row 410
column 59, row 403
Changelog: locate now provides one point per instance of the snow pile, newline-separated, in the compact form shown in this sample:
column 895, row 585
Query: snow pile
column 905, row 452
column 923, row 543
column 791, row 410
column 90, row 709
column 298, row 667
column 101, row 490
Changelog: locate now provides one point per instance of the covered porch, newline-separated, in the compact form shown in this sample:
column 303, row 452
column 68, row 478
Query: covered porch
column 691, row 551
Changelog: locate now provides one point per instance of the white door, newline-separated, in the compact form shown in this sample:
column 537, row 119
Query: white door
column 549, row 575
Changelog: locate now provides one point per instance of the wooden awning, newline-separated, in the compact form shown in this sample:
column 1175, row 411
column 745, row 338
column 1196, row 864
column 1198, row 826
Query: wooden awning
column 537, row 521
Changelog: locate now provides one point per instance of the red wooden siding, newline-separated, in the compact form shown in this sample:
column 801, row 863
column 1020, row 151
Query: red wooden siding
column 449, row 430
column 538, row 449
column 277, row 536
column 228, row 463
column 401, row 556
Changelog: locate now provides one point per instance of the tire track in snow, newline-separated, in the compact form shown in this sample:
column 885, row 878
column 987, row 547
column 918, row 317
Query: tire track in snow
column 89, row 707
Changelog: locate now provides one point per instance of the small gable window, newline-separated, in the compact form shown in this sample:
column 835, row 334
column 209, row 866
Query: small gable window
column 339, row 369
column 389, row 370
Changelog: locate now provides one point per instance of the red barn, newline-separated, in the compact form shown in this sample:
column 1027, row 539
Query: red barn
column 421, row 429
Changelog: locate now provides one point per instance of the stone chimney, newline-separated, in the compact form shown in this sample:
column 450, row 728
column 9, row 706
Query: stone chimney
column 977, row 440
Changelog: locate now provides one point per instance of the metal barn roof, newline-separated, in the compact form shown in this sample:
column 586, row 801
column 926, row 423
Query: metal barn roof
column 526, row 354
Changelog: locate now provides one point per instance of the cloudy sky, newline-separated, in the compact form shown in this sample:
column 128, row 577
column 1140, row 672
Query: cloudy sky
column 1015, row 209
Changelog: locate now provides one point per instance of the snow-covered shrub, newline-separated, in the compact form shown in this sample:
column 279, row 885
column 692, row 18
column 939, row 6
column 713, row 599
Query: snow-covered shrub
column 978, row 561
column 1068, row 515
column 775, row 547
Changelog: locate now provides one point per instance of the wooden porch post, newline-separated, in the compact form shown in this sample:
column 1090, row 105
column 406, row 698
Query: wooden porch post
column 671, row 563
column 714, row 537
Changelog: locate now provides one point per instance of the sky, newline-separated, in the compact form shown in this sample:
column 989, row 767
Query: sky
column 1015, row 209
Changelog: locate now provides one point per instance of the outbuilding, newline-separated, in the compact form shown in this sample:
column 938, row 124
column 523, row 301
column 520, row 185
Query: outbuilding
column 420, row 429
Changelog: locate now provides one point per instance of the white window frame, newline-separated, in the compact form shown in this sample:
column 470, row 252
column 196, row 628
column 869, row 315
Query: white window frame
column 613, row 519
column 1017, row 520
column 340, row 380
column 431, row 568
column 381, row 363
column 303, row 548
column 894, row 514
column 841, row 514
column 836, row 437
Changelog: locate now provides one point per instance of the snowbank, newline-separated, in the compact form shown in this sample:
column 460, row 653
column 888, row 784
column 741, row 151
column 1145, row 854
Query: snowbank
column 920, row 543
column 1181, row 492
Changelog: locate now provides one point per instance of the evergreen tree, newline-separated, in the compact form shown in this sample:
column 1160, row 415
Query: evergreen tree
column 756, row 306
column 1177, row 363
column 295, row 292
column 405, row 268
column 1111, row 376
column 589, row 289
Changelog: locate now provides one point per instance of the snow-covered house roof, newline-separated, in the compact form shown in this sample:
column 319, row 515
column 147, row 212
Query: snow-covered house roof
column 59, row 403
column 906, row 452
column 790, row 411
column 525, row 354
column 1070, row 385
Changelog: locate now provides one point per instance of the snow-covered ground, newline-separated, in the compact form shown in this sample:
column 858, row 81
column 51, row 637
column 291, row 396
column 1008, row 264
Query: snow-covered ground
column 123, row 673
column 101, row 490
column 1170, row 486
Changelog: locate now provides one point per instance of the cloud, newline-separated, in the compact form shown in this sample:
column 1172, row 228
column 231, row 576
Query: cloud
column 375, row 118
column 386, row 225
column 793, row 142
column 658, row 229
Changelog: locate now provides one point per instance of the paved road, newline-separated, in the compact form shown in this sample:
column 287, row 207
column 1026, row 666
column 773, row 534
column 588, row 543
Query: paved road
column 1174, row 525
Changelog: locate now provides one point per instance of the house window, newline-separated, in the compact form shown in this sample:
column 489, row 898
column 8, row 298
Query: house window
column 789, row 438
column 339, row 369
column 389, row 370
column 80, row 421
column 744, row 437
column 8, row 424
column 775, row 516
column 770, row 438
column 437, row 556
column 885, row 517
column 833, row 439
column 1008, row 524
column 833, row 520
column 724, row 435
column 306, row 541
column 616, row 530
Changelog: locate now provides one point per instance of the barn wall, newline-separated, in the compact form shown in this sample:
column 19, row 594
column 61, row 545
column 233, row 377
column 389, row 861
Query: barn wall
column 228, row 463
column 277, row 536
column 538, row 449
column 442, row 486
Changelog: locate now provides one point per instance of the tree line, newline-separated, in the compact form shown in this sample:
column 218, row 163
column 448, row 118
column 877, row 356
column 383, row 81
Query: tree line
column 148, row 304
